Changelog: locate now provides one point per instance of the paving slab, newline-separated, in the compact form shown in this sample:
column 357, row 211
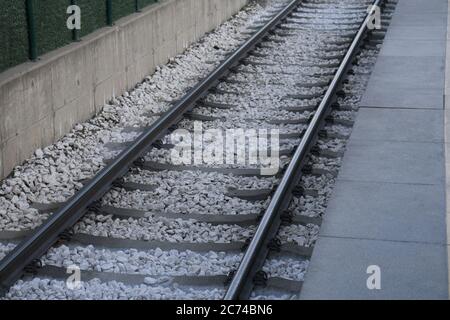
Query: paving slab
column 421, row 6
column 338, row 270
column 378, row 95
column 414, row 48
column 387, row 211
column 406, row 82
column 421, row 19
column 416, row 32
column 413, row 125
column 394, row 162
column 409, row 72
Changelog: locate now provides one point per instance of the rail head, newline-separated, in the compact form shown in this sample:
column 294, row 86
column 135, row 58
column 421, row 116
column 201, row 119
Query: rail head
column 241, row 284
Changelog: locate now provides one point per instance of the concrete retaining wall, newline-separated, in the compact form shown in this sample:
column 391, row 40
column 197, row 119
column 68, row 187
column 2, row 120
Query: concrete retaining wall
column 42, row 101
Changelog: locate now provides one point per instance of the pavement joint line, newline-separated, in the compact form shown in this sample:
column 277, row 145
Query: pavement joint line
column 440, row 244
column 390, row 182
column 401, row 108
column 399, row 140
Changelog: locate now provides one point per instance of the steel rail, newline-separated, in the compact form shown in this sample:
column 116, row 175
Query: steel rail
column 242, row 285
column 34, row 246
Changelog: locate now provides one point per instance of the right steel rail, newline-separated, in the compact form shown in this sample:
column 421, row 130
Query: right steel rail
column 242, row 285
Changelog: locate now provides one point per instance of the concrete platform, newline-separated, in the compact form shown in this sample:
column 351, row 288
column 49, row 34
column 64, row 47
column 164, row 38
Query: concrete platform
column 388, row 208
column 399, row 125
column 387, row 211
column 341, row 273
column 410, row 69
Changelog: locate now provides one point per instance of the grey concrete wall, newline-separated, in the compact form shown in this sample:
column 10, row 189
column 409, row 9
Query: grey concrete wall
column 41, row 101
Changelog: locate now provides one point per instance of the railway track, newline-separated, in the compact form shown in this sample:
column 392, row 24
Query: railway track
column 291, row 76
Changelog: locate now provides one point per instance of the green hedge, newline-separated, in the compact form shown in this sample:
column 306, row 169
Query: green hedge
column 122, row 8
column 13, row 33
column 51, row 30
column 93, row 15
column 144, row 3
column 50, row 21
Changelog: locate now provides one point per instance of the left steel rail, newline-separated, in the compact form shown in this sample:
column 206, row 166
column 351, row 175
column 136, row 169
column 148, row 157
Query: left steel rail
column 47, row 234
